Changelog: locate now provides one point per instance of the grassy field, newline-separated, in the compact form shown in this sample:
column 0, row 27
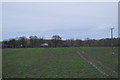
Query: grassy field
column 60, row 62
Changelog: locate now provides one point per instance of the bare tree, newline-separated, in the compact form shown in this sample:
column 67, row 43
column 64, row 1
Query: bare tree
column 56, row 40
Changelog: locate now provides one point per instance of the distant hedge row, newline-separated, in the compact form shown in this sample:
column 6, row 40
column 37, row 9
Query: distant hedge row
column 56, row 41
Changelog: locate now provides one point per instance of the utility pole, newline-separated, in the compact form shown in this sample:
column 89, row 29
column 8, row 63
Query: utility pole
column 112, row 40
column 112, row 33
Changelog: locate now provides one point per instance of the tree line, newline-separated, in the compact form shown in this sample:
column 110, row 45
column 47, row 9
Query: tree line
column 56, row 41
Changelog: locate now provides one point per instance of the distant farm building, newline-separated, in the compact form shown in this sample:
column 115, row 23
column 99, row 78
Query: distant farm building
column 44, row 45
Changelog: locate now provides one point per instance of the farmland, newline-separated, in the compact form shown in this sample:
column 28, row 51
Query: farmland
column 68, row 62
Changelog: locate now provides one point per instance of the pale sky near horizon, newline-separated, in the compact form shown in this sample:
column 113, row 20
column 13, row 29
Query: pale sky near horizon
column 69, row 20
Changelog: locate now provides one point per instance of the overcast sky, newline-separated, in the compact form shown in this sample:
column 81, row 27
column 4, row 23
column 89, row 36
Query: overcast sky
column 69, row 20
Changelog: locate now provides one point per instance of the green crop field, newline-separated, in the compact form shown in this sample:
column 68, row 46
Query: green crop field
column 68, row 62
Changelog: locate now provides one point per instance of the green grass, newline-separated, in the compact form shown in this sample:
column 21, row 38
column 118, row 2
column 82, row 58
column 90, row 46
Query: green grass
column 54, row 62
column 104, row 54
